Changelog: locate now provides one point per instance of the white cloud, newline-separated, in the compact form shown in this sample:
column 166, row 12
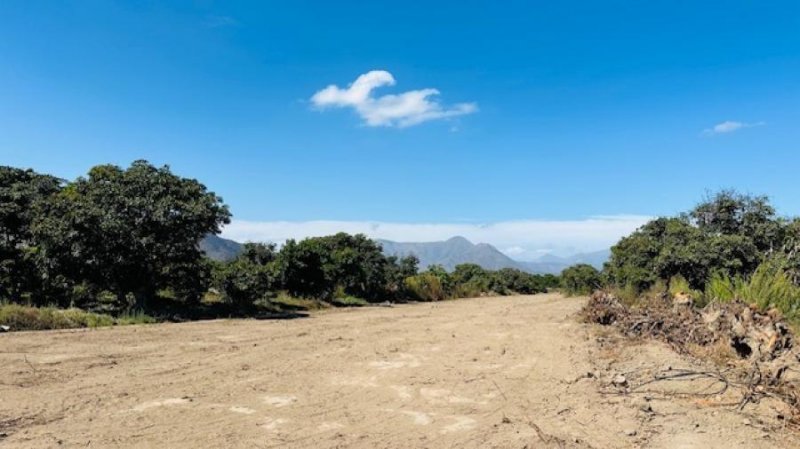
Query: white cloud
column 523, row 239
column 729, row 126
column 514, row 250
column 401, row 110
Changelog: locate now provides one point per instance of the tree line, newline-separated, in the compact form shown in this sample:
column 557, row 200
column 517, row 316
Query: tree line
column 730, row 245
column 344, row 267
column 122, row 239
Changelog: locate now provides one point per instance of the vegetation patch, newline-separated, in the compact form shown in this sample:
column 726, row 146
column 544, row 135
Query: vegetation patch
column 124, row 239
column 20, row 318
column 580, row 279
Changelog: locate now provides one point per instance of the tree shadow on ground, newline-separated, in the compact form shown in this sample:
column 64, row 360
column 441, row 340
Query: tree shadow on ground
column 176, row 311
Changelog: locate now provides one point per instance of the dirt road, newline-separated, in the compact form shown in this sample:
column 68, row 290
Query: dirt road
column 479, row 373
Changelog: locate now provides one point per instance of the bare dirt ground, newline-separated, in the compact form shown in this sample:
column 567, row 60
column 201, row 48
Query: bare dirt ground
column 481, row 373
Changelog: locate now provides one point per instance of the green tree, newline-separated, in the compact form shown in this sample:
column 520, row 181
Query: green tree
column 731, row 213
column 21, row 193
column 250, row 276
column 512, row 280
column 131, row 231
column 316, row 267
column 548, row 281
column 469, row 279
column 425, row 286
column 398, row 270
column 728, row 233
column 445, row 279
column 580, row 279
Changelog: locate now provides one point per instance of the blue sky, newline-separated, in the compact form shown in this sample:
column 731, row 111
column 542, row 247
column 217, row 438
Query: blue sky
column 549, row 115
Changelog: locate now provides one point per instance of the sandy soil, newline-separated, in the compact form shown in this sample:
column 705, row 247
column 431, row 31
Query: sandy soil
column 480, row 373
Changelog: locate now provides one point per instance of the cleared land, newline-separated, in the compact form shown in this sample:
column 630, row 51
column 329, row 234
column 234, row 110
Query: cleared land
column 507, row 372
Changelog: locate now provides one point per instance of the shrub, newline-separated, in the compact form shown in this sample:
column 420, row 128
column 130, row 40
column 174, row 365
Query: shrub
column 135, row 317
column 470, row 289
column 629, row 293
column 79, row 318
column 470, row 280
column 283, row 301
column 510, row 281
column 678, row 284
column 249, row 277
column 728, row 233
column 580, row 279
column 316, row 266
column 425, row 287
column 769, row 286
column 342, row 299
column 721, row 288
column 19, row 317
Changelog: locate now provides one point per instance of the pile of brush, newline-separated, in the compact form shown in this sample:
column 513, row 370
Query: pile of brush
column 761, row 356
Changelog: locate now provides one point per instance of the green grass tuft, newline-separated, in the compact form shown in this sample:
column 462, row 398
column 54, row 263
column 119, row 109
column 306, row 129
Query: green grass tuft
column 768, row 287
column 22, row 318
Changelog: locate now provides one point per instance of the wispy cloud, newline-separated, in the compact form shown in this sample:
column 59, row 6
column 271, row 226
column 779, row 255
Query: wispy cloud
column 514, row 250
column 729, row 126
column 401, row 110
column 521, row 239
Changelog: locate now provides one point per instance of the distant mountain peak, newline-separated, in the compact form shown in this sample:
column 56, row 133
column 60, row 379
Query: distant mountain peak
column 451, row 252
column 458, row 239
column 220, row 249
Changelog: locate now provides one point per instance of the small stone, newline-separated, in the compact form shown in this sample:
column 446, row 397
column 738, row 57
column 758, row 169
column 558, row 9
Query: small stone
column 631, row 432
column 747, row 422
column 619, row 380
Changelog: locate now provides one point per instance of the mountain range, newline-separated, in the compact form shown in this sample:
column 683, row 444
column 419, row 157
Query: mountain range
column 448, row 253
column 218, row 248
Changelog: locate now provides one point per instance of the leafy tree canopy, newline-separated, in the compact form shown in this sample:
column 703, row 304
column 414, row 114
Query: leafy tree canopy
column 130, row 231
column 729, row 233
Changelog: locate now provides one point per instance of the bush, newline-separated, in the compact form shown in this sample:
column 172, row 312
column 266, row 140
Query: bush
column 629, row 294
column 768, row 287
column 135, row 317
column 249, row 277
column 283, row 301
column 721, row 288
column 316, row 266
column 425, row 287
column 512, row 281
column 679, row 285
column 580, row 279
column 727, row 233
column 20, row 318
column 342, row 299
column 469, row 280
